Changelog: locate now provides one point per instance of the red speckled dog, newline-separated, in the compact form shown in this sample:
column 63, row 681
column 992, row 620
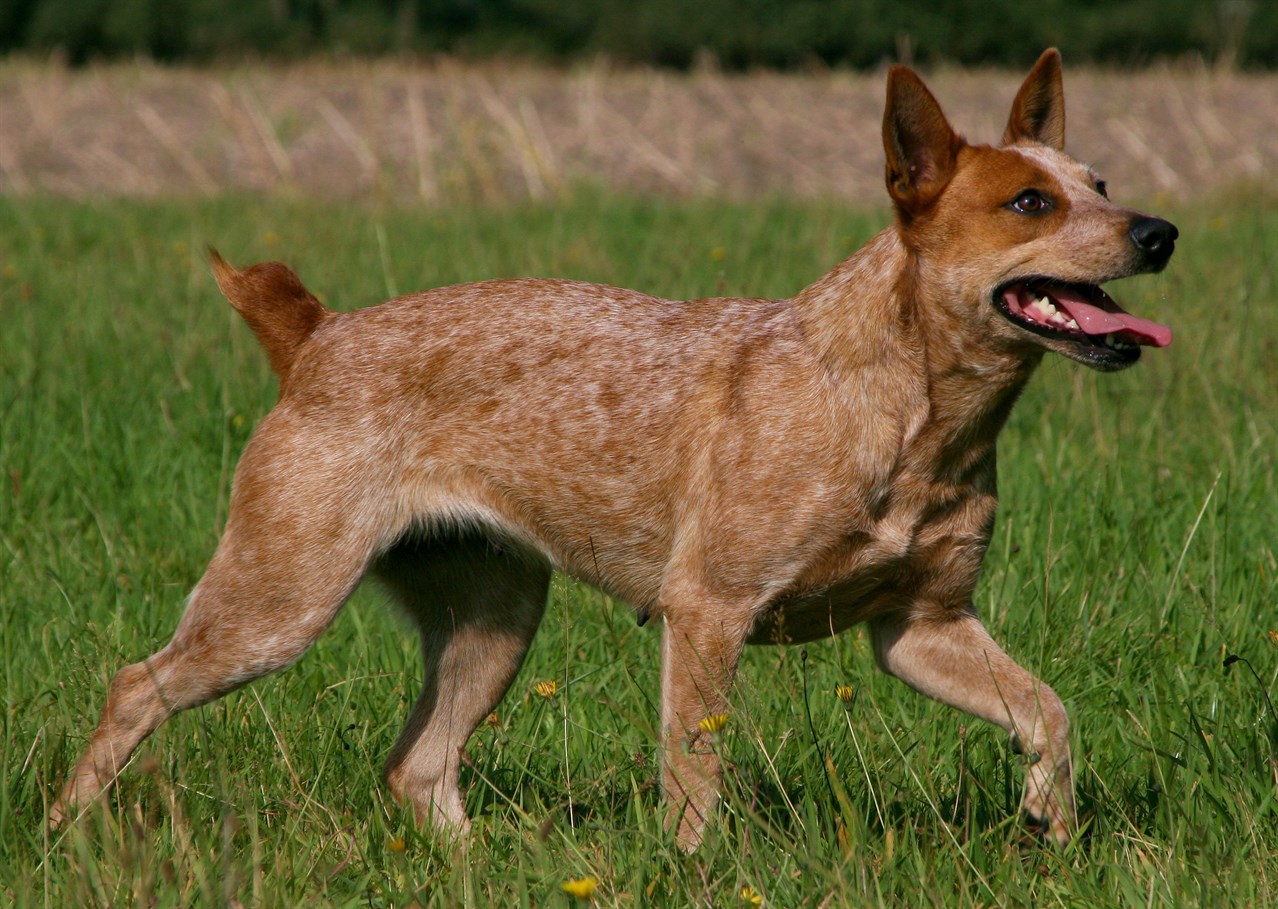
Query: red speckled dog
column 742, row 471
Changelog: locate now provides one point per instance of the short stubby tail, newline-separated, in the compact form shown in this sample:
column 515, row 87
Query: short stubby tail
column 272, row 300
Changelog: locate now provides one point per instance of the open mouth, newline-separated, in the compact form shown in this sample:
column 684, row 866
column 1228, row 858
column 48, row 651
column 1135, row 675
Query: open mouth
column 1098, row 329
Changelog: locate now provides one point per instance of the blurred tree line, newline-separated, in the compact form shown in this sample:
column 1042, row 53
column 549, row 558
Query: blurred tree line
column 735, row 34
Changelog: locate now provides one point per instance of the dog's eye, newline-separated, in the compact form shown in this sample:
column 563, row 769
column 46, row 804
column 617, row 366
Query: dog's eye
column 1100, row 188
column 1030, row 202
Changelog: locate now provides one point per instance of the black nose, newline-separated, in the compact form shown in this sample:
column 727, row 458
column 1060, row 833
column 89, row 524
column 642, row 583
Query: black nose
column 1155, row 238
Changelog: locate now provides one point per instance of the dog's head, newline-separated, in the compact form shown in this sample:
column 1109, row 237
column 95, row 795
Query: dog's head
column 1018, row 239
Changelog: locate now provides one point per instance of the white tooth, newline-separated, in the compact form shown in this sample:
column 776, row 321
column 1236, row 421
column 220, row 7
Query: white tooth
column 1058, row 318
column 1041, row 309
column 1073, row 323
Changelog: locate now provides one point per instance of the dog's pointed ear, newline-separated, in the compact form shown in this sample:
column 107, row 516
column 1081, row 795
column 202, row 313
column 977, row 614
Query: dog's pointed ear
column 921, row 147
column 1038, row 113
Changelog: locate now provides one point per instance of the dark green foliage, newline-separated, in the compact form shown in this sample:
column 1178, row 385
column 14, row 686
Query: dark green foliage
column 736, row 34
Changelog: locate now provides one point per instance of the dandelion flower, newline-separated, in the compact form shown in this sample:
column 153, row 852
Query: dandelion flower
column 713, row 723
column 1273, row 636
column 750, row 896
column 845, row 693
column 396, row 844
column 547, row 688
column 583, row 888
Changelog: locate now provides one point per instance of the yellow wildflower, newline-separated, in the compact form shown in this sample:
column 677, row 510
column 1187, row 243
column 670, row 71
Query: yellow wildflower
column 583, row 888
column 396, row 844
column 845, row 693
column 547, row 688
column 751, row 896
column 714, row 723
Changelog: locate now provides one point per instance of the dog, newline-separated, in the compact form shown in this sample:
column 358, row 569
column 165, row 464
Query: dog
column 739, row 470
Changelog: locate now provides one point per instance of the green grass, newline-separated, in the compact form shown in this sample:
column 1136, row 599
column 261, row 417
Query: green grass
column 1135, row 550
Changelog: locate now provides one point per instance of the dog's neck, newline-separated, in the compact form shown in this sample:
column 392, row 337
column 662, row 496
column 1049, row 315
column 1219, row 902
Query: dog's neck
column 853, row 315
column 873, row 322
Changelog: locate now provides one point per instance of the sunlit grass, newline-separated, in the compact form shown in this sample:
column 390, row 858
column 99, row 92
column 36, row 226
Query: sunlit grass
column 1135, row 552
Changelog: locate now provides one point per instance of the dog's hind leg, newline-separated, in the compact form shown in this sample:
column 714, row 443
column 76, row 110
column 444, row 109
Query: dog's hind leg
column 300, row 533
column 477, row 604
column 954, row 660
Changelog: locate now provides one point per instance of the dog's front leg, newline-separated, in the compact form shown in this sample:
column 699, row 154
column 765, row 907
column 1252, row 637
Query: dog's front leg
column 952, row 658
column 700, row 649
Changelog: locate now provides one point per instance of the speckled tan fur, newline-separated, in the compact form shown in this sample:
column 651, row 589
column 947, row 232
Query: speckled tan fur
column 738, row 470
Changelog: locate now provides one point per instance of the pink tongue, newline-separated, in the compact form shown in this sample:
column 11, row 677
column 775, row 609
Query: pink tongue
column 1096, row 321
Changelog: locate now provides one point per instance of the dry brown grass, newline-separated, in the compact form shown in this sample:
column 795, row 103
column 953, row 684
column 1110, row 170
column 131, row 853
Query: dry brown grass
column 487, row 133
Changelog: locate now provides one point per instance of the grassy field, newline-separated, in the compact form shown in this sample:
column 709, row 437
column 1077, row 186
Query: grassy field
column 1135, row 552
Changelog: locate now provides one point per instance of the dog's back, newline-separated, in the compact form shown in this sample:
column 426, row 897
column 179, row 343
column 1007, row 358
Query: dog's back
column 593, row 424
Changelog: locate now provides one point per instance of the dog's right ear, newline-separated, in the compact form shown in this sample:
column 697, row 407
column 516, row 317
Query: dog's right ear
column 921, row 146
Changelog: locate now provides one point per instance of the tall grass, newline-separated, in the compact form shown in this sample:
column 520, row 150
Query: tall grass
column 1135, row 552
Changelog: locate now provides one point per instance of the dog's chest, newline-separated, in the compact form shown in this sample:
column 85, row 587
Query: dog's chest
column 918, row 547
column 841, row 586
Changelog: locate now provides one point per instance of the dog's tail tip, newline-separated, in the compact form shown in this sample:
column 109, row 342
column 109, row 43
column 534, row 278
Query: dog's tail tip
column 275, row 304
